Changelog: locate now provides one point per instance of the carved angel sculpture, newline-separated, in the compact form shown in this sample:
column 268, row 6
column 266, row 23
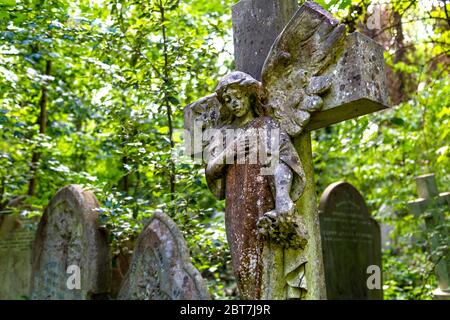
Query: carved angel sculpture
column 262, row 119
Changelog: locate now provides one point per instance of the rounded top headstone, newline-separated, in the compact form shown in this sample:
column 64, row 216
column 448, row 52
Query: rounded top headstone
column 339, row 194
column 351, row 243
column 161, row 268
column 71, row 258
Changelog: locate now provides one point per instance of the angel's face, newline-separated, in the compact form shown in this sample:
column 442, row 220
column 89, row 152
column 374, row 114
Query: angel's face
column 237, row 102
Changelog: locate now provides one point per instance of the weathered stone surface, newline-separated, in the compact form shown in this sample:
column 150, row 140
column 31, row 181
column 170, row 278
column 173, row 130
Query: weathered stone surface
column 350, row 242
column 358, row 83
column 316, row 75
column 160, row 268
column 307, row 207
column 287, row 270
column 69, row 235
column 256, row 25
column 16, row 239
column 294, row 71
column 259, row 206
column 431, row 206
column 242, row 232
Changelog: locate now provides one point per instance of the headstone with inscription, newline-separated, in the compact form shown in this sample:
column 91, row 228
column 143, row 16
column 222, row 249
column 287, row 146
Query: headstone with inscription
column 16, row 239
column 71, row 259
column 160, row 268
column 351, row 243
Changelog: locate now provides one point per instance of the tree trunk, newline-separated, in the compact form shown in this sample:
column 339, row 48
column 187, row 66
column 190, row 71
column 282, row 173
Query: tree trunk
column 166, row 100
column 42, row 121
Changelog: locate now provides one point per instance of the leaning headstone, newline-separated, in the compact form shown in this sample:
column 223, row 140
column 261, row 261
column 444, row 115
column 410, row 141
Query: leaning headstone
column 71, row 259
column 16, row 239
column 351, row 244
column 161, row 267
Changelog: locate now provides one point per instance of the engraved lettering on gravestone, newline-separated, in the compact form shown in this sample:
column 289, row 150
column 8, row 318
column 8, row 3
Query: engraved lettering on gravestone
column 16, row 239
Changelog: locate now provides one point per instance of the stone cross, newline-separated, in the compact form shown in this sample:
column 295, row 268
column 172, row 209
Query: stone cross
column 312, row 65
column 431, row 206
column 358, row 89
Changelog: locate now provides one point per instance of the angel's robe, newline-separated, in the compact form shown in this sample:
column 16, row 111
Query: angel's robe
column 249, row 194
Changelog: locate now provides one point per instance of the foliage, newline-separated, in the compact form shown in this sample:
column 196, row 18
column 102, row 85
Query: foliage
column 121, row 72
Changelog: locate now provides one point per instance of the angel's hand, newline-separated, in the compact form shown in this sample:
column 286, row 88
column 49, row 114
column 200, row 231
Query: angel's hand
column 214, row 168
column 226, row 154
column 251, row 147
column 273, row 220
column 283, row 227
column 240, row 146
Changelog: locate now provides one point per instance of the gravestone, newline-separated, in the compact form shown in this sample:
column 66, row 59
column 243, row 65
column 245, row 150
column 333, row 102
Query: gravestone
column 16, row 239
column 69, row 240
column 160, row 268
column 350, row 243
column 433, row 206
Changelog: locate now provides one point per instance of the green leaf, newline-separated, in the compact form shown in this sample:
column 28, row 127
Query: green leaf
column 8, row 3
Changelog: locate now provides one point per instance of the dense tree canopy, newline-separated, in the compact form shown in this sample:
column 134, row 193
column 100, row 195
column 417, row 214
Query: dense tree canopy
column 92, row 92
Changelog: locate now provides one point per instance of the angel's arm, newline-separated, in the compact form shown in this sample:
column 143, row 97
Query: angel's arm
column 283, row 182
column 217, row 161
column 215, row 168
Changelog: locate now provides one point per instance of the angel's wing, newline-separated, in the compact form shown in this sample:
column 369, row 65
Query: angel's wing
column 293, row 73
column 199, row 117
